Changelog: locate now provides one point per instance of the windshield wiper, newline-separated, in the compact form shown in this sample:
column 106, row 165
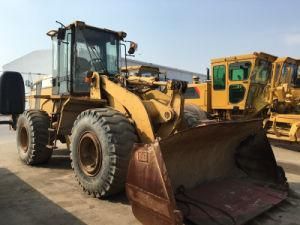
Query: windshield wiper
column 98, row 57
column 92, row 48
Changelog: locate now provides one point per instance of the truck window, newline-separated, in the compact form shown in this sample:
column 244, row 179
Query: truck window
column 277, row 73
column 239, row 71
column 284, row 72
column 191, row 93
column 261, row 72
column 296, row 77
column 236, row 93
column 219, row 77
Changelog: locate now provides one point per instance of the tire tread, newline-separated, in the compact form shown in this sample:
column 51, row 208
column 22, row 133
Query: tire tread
column 39, row 122
column 121, row 136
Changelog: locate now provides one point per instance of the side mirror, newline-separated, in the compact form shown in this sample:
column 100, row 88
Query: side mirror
column 132, row 48
column 61, row 34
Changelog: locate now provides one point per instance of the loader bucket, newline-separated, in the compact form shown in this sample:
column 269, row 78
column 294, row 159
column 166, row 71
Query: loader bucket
column 216, row 173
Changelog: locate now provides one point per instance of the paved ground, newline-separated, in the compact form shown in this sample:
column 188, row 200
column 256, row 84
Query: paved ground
column 289, row 158
column 50, row 195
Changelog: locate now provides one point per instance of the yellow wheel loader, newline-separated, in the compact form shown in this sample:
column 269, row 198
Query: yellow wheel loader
column 256, row 85
column 142, row 70
column 122, row 131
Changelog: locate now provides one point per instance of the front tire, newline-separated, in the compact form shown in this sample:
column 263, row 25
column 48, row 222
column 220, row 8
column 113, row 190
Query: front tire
column 193, row 115
column 32, row 137
column 101, row 144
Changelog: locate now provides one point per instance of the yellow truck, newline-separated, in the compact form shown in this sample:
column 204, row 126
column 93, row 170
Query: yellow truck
column 255, row 85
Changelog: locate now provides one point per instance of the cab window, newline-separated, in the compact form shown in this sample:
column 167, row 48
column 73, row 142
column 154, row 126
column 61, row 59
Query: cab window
column 284, row 72
column 219, row 77
column 261, row 72
column 277, row 73
column 236, row 93
column 296, row 77
column 191, row 93
column 239, row 71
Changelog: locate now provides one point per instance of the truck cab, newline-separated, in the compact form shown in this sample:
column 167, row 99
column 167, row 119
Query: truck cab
column 235, row 86
column 284, row 85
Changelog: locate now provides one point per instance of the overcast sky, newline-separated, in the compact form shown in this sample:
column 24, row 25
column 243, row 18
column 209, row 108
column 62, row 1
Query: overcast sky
column 177, row 33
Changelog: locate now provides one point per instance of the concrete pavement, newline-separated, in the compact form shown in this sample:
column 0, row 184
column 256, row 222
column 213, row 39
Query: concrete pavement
column 49, row 194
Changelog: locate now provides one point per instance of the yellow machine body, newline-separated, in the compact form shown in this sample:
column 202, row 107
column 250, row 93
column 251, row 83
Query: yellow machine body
column 134, row 131
column 270, row 91
column 283, row 96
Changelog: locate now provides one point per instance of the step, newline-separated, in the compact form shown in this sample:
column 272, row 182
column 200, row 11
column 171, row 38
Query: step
column 52, row 147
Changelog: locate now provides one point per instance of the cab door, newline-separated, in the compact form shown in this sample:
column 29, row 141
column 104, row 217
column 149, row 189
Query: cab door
column 238, row 83
column 219, row 86
column 230, row 84
column 61, row 66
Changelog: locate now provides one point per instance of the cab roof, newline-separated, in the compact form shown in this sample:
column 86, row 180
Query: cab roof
column 81, row 24
column 253, row 55
column 287, row 59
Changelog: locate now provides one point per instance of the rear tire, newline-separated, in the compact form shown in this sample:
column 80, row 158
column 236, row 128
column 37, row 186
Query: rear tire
column 193, row 116
column 101, row 144
column 32, row 137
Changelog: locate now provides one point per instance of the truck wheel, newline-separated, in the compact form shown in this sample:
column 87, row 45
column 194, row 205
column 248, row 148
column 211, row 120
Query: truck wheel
column 32, row 137
column 101, row 144
column 193, row 116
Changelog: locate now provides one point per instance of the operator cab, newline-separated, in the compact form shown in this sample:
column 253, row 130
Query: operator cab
column 286, row 77
column 78, row 49
column 238, row 80
column 296, row 75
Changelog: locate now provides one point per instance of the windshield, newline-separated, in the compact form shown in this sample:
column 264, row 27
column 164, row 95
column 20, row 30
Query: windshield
column 239, row 71
column 261, row 72
column 95, row 51
column 286, row 68
column 296, row 76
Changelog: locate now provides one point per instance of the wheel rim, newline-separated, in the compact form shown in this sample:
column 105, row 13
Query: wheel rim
column 24, row 140
column 90, row 154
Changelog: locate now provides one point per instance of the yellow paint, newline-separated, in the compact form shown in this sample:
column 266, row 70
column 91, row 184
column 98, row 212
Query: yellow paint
column 220, row 98
column 134, row 105
column 95, row 92
column 204, row 92
column 277, row 90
